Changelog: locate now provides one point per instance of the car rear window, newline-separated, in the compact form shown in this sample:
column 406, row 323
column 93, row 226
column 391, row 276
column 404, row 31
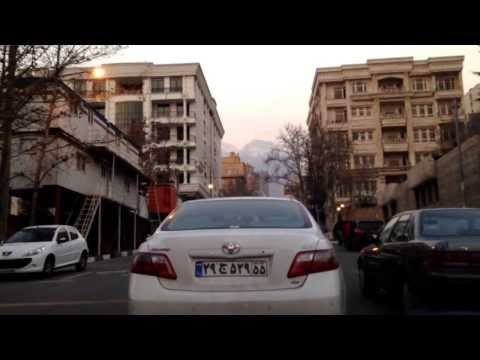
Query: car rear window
column 248, row 214
column 450, row 223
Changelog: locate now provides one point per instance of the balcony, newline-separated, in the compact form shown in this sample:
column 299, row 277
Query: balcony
column 172, row 118
column 392, row 144
column 393, row 120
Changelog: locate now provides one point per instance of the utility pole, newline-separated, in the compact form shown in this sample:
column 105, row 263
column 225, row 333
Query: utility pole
column 460, row 157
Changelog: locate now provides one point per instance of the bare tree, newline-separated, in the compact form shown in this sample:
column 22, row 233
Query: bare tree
column 288, row 159
column 44, row 62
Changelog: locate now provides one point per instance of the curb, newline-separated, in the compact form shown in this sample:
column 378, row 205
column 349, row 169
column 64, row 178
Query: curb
column 103, row 257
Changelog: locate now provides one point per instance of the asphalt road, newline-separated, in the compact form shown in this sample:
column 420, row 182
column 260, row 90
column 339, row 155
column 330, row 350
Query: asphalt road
column 103, row 290
column 100, row 290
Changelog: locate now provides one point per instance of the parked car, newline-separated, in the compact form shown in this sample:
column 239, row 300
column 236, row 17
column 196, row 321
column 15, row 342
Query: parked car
column 422, row 254
column 42, row 249
column 360, row 233
column 237, row 256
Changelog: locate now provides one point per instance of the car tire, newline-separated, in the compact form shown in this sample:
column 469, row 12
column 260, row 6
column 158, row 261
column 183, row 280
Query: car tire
column 367, row 284
column 82, row 264
column 48, row 266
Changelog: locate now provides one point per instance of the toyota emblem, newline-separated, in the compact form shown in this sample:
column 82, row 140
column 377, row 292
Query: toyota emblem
column 231, row 248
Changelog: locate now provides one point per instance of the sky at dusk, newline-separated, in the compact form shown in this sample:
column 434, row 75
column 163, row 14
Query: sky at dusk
column 259, row 89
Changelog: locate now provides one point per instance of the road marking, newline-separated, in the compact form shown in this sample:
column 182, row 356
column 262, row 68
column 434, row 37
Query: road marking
column 112, row 272
column 62, row 303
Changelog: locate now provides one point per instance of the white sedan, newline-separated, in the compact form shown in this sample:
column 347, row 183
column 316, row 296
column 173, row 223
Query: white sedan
column 237, row 256
column 43, row 249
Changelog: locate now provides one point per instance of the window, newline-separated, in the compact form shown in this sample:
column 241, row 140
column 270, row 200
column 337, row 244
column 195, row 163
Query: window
column 104, row 171
column 451, row 223
column 359, row 87
column 180, row 156
column 447, row 108
column 80, row 86
column 188, row 178
column 176, row 84
column 81, row 162
column 362, row 136
column 387, row 230
column 400, row 229
column 99, row 86
column 224, row 214
column 127, row 184
column 364, row 161
column 422, row 110
column 179, row 110
column 366, row 187
column 158, row 85
column 180, row 133
column 361, row 111
column 127, row 113
column 339, row 92
column 424, row 135
column 161, row 110
column 340, row 116
column 446, row 83
column 73, row 235
column 419, row 84
column 62, row 234
column 40, row 234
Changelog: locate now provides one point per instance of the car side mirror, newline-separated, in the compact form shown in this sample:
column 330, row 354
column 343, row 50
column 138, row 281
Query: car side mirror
column 375, row 239
column 62, row 239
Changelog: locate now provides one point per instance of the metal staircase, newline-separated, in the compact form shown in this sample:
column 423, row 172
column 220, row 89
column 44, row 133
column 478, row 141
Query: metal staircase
column 87, row 214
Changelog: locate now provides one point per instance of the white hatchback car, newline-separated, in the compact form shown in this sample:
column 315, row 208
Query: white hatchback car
column 237, row 256
column 43, row 249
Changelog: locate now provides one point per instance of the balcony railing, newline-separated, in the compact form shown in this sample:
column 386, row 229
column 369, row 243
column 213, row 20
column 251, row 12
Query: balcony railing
column 392, row 115
column 394, row 140
column 166, row 90
column 123, row 91
column 169, row 114
column 395, row 163
column 391, row 89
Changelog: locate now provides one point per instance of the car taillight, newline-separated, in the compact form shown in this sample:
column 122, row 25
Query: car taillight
column 308, row 262
column 153, row 264
column 359, row 231
column 442, row 258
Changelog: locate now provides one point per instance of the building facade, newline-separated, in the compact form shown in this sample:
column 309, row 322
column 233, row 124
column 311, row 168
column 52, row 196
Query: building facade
column 394, row 112
column 437, row 182
column 91, row 175
column 167, row 109
column 472, row 100
column 234, row 175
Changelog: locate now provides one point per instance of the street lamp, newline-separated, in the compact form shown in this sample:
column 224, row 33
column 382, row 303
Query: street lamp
column 342, row 206
column 210, row 187
column 98, row 73
column 339, row 208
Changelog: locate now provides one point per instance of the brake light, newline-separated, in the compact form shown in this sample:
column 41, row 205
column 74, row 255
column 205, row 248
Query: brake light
column 153, row 264
column 442, row 258
column 308, row 262
column 359, row 231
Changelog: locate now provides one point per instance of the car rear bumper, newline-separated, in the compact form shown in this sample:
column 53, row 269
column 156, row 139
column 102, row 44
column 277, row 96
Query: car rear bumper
column 321, row 294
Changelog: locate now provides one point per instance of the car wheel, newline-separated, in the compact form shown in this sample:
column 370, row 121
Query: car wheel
column 367, row 283
column 82, row 264
column 49, row 266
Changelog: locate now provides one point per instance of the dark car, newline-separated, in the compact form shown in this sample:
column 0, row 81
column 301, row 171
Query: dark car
column 421, row 254
column 361, row 232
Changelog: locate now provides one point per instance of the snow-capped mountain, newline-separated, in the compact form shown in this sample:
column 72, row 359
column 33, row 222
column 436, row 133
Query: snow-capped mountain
column 228, row 148
column 255, row 153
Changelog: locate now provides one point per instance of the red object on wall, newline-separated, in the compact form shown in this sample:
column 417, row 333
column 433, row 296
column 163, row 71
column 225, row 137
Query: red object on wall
column 162, row 199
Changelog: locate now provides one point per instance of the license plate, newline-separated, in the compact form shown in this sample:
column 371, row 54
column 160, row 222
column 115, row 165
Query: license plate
column 253, row 268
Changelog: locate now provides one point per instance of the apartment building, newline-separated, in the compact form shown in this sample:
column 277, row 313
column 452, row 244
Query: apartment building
column 90, row 174
column 234, row 175
column 167, row 109
column 395, row 112
column 472, row 100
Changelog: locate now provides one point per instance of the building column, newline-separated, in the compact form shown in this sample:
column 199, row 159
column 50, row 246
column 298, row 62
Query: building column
column 119, row 249
column 184, row 107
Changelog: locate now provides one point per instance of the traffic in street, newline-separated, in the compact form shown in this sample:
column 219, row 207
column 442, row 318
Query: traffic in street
column 103, row 290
